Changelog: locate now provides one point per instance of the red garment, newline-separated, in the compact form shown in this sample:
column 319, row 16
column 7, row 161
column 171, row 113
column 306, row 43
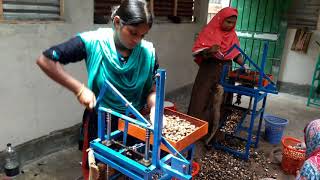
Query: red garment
column 212, row 34
column 85, row 170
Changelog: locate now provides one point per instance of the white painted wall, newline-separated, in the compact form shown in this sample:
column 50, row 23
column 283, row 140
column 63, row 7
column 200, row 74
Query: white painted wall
column 298, row 67
column 32, row 105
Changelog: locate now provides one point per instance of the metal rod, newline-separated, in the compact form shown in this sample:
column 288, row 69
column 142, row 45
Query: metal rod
column 160, row 84
column 134, row 121
column 260, row 121
column 108, row 118
column 147, row 148
column 101, row 125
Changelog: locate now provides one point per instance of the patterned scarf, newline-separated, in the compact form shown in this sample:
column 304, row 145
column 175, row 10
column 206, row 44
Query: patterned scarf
column 311, row 167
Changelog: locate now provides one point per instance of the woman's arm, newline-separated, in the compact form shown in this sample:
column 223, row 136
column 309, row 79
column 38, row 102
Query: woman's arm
column 239, row 60
column 52, row 60
column 56, row 72
column 208, row 53
column 151, row 100
column 152, row 105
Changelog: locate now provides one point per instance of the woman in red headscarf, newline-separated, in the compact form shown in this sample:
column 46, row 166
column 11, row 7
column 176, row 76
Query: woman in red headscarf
column 210, row 52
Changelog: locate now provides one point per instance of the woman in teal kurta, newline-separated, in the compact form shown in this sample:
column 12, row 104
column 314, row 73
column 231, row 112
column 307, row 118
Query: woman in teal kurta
column 118, row 54
column 133, row 79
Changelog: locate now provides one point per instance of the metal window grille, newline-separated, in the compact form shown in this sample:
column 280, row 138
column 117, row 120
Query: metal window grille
column 31, row 10
column 304, row 14
column 161, row 8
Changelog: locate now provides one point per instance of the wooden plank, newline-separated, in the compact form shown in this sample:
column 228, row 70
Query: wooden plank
column 31, row 16
column 240, row 14
column 32, row 1
column 30, row 11
column 163, row 8
column 185, row 8
column 53, row 21
column 1, row 10
column 246, row 15
column 108, row 1
column 7, row 7
column 234, row 3
column 175, row 7
column 61, row 9
column 151, row 6
column 56, row 4
column 268, row 17
column 261, row 15
column 253, row 15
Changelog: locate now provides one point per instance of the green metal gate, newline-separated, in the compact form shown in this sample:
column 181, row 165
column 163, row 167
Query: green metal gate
column 259, row 21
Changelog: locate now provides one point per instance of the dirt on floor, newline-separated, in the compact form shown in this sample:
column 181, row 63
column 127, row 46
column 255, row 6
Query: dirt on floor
column 264, row 162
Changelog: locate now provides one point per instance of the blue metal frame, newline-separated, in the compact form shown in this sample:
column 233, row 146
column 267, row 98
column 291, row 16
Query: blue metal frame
column 169, row 166
column 258, row 94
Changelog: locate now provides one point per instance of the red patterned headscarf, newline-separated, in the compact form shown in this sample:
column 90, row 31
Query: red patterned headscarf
column 212, row 34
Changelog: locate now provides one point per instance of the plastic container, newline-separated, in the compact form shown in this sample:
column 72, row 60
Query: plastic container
column 11, row 165
column 170, row 105
column 292, row 159
column 195, row 169
column 166, row 104
column 274, row 128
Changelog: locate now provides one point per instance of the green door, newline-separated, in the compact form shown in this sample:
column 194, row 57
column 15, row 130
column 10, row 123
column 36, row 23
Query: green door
column 259, row 21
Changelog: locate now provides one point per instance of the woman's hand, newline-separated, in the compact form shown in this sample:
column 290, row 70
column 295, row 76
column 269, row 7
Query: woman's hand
column 152, row 116
column 214, row 49
column 86, row 97
column 209, row 53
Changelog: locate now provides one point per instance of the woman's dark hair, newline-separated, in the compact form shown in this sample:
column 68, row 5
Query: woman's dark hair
column 133, row 12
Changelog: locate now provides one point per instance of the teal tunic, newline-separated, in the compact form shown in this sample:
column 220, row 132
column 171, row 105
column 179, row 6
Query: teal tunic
column 133, row 79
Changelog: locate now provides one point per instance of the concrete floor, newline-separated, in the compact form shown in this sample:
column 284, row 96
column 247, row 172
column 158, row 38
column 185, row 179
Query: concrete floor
column 65, row 163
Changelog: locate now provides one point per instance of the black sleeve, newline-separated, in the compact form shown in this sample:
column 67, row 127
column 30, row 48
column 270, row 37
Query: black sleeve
column 70, row 51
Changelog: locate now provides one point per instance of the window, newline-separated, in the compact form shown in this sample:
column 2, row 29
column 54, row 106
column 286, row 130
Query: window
column 103, row 10
column 303, row 14
column 175, row 10
column 215, row 6
column 30, row 10
column 215, row 1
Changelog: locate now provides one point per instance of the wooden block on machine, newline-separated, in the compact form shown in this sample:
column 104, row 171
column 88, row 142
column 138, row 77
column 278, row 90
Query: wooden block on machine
column 201, row 130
